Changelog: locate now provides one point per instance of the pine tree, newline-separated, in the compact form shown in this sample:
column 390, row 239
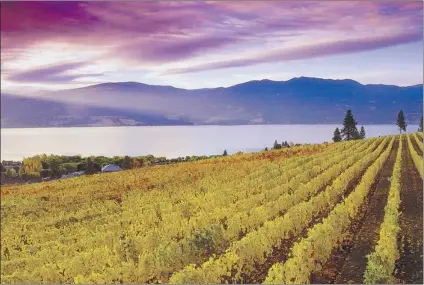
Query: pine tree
column 349, row 131
column 337, row 136
column 362, row 133
column 276, row 145
column 90, row 167
column 126, row 164
column 420, row 129
column 401, row 122
column 266, row 149
column 356, row 135
column 225, row 153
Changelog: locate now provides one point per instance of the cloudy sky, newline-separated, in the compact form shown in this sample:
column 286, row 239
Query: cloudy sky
column 56, row 45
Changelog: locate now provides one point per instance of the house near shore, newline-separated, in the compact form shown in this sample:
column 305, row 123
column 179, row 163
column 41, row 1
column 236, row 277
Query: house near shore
column 111, row 168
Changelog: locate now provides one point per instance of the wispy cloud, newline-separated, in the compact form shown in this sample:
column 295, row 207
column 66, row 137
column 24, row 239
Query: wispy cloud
column 172, row 49
column 51, row 74
column 311, row 51
column 195, row 35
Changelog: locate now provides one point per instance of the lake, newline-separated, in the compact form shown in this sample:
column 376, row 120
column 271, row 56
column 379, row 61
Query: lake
column 168, row 141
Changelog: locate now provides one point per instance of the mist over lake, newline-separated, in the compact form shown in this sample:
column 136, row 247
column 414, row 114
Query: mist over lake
column 168, row 141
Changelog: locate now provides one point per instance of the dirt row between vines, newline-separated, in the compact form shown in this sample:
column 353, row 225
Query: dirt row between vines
column 281, row 253
column 409, row 268
column 347, row 263
column 416, row 147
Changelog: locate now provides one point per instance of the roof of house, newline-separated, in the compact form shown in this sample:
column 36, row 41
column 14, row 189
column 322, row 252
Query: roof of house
column 111, row 167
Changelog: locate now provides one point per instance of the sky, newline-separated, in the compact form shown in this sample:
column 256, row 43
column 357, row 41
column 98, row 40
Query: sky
column 62, row 45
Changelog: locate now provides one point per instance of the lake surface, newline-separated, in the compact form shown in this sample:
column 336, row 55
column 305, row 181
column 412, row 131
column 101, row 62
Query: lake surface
column 168, row 141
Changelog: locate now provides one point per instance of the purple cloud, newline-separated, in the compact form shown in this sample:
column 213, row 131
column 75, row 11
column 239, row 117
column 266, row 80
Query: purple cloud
column 50, row 74
column 170, row 49
column 312, row 51
column 100, row 23
column 164, row 32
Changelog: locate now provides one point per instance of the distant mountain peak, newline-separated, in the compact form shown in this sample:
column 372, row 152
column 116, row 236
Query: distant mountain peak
column 297, row 80
column 128, row 85
column 317, row 79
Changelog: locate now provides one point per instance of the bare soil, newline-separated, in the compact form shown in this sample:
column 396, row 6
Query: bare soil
column 415, row 144
column 347, row 263
column 409, row 268
column 281, row 253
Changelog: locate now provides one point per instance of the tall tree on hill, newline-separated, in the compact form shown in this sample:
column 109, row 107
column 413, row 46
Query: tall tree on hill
column 225, row 153
column 337, row 136
column 276, row 145
column 401, row 122
column 126, row 163
column 420, row 129
column 349, row 131
column 362, row 133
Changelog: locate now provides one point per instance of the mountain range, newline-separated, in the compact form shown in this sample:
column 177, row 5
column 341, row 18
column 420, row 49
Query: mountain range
column 301, row 100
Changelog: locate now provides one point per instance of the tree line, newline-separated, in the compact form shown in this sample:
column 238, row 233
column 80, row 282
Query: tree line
column 350, row 131
column 54, row 166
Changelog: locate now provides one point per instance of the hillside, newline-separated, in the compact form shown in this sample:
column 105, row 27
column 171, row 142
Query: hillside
column 297, row 101
column 236, row 218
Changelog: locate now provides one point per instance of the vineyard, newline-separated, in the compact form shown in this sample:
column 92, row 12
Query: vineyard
column 348, row 212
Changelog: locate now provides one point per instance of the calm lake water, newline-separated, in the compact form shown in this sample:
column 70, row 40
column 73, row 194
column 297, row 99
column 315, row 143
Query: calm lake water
column 169, row 141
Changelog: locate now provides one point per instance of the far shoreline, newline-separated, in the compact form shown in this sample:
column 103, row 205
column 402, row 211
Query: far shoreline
column 208, row 125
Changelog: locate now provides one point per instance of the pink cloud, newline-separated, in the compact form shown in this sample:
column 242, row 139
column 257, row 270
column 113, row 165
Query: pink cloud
column 152, row 31
column 50, row 74
column 312, row 51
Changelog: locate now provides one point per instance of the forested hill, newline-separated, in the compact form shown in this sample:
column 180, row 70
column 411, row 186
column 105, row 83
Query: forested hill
column 300, row 100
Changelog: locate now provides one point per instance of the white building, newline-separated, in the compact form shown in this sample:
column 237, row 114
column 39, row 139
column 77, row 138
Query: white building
column 111, row 168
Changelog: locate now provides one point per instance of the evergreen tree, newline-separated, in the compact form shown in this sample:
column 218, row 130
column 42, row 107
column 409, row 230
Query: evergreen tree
column 225, row 153
column 349, row 131
column 90, row 166
column 420, row 129
column 126, row 163
column 362, row 133
column 276, row 145
column 356, row 135
column 337, row 136
column 266, row 148
column 401, row 122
